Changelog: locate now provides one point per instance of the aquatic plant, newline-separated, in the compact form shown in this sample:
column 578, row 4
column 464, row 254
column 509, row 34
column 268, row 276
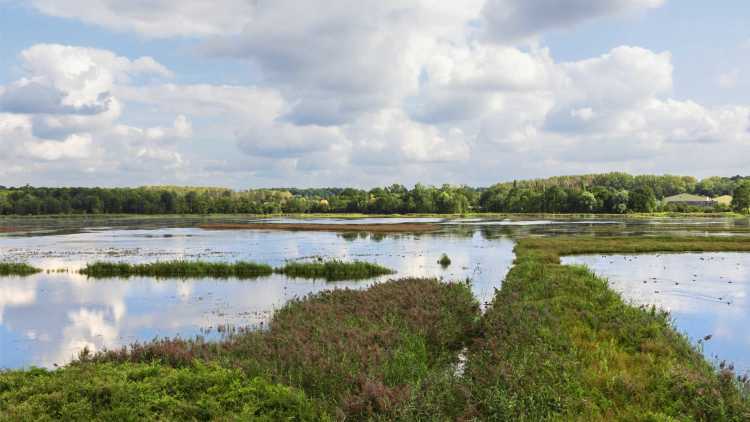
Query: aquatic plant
column 334, row 270
column 444, row 261
column 178, row 269
column 9, row 268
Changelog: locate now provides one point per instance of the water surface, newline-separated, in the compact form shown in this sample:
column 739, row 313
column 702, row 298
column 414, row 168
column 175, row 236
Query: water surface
column 46, row 319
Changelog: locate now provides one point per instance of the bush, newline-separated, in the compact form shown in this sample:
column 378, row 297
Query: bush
column 444, row 261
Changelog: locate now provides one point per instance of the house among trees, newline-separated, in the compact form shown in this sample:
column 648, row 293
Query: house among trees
column 724, row 200
column 686, row 199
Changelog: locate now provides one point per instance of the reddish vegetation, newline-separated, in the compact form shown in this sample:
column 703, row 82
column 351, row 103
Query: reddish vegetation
column 358, row 351
column 375, row 228
column 8, row 229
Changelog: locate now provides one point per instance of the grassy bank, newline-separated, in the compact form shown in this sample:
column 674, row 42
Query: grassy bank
column 333, row 270
column 354, row 216
column 558, row 344
column 7, row 269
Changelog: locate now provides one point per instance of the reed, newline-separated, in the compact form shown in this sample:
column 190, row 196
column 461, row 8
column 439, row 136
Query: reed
column 334, row 270
column 178, row 269
column 11, row 268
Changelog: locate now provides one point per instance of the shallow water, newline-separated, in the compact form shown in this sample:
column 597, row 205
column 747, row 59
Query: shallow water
column 46, row 319
column 708, row 294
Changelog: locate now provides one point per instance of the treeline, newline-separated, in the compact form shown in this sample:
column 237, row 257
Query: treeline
column 601, row 193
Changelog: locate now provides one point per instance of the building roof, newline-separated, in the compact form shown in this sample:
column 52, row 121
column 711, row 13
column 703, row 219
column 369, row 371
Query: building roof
column 686, row 197
column 724, row 199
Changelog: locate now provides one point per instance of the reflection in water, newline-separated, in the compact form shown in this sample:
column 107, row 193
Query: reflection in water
column 46, row 319
column 706, row 293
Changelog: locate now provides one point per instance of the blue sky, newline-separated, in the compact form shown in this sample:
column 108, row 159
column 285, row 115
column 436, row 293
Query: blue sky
column 246, row 93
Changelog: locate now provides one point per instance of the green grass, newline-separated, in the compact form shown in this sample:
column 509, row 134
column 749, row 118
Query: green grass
column 559, row 344
column 148, row 391
column 334, row 270
column 7, row 269
column 178, row 269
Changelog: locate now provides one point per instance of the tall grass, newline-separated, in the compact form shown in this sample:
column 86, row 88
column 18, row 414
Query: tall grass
column 334, row 270
column 178, row 269
column 7, row 269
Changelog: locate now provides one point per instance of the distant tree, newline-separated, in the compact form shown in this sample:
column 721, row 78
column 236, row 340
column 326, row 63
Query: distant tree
column 642, row 199
column 741, row 198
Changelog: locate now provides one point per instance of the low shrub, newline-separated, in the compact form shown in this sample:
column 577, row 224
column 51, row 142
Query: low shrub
column 444, row 261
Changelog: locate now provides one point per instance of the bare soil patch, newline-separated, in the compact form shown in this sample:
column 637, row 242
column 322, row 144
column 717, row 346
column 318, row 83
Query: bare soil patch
column 373, row 228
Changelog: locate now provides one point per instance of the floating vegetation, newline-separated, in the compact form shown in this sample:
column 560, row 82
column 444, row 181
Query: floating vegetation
column 334, row 270
column 10, row 268
column 444, row 261
column 178, row 269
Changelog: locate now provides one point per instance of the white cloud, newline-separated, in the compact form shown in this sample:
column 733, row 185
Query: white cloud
column 65, row 109
column 158, row 18
column 75, row 146
column 404, row 88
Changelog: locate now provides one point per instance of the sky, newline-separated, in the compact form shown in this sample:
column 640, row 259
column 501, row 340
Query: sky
column 269, row 93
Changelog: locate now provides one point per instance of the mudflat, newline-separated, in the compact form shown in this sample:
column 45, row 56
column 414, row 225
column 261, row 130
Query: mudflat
column 374, row 228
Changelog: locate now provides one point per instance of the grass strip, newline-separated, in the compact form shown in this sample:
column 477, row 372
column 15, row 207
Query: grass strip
column 333, row 270
column 559, row 344
column 178, row 269
column 10, row 268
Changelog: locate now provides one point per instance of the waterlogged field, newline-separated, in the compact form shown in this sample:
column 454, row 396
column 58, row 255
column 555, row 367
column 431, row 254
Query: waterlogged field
column 47, row 318
column 707, row 295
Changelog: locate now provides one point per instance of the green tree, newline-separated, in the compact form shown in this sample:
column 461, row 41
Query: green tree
column 741, row 198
